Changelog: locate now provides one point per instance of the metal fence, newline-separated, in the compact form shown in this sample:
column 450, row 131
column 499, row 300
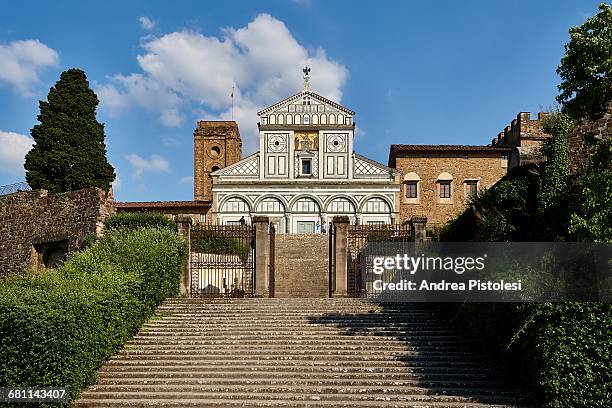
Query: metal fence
column 222, row 260
column 367, row 241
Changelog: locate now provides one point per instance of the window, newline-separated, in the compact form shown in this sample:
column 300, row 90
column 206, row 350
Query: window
column 411, row 189
column 471, row 188
column 202, row 218
column 306, row 167
column 305, row 227
column 376, row 223
column 445, row 189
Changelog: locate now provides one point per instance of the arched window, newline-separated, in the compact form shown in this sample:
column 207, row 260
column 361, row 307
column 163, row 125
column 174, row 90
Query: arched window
column 297, row 120
column 306, row 205
column 332, row 119
column 324, row 119
column 341, row 205
column 235, row 205
column 289, row 119
column 270, row 205
column 376, row 205
column 315, row 119
column 273, row 119
column 340, row 119
column 411, row 186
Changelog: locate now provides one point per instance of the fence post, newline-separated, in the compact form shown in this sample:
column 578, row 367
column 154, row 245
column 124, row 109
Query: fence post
column 183, row 227
column 262, row 255
column 418, row 223
column 341, row 266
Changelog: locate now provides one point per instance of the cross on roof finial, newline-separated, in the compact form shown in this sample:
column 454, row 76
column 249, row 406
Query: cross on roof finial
column 306, row 72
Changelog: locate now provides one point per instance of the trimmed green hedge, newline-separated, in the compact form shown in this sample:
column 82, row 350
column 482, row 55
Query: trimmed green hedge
column 135, row 220
column 217, row 244
column 562, row 352
column 58, row 326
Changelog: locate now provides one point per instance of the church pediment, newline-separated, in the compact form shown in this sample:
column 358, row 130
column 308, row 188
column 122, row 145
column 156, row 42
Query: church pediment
column 247, row 167
column 306, row 108
column 365, row 168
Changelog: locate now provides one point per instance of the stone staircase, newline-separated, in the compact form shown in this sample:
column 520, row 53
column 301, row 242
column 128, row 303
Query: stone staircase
column 308, row 278
column 297, row 353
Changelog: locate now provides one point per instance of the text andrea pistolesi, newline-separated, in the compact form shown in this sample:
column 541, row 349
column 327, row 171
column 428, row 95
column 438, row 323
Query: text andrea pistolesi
column 458, row 265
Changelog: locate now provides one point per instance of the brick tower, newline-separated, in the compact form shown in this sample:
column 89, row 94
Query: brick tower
column 216, row 145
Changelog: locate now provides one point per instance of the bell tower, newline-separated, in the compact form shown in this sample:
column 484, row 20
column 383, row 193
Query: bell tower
column 216, row 145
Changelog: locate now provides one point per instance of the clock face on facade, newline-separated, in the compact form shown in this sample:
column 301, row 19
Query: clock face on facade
column 277, row 143
column 336, row 143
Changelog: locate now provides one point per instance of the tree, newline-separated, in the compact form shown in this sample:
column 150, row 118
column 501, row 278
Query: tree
column 586, row 67
column 69, row 151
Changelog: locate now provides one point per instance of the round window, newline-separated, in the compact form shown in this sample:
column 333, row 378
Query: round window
column 215, row 151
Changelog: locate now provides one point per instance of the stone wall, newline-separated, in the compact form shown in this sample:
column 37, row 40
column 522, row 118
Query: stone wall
column 301, row 266
column 579, row 151
column 485, row 167
column 525, row 135
column 36, row 226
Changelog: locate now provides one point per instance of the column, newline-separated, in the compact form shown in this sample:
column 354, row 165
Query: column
column 183, row 227
column 419, row 223
column 262, row 255
column 341, row 224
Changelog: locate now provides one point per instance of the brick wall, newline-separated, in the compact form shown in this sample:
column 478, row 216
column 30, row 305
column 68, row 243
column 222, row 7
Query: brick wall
column 33, row 219
column 217, row 144
column 301, row 265
column 485, row 167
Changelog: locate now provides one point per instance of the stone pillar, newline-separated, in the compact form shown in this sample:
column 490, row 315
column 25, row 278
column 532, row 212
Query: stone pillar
column 341, row 224
column 419, row 222
column 183, row 227
column 262, row 255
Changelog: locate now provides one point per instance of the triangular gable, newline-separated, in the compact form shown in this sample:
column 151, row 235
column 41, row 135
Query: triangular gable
column 249, row 166
column 298, row 96
column 365, row 167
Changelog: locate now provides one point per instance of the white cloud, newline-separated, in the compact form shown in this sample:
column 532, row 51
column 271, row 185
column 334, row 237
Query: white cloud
column 22, row 61
column 182, row 69
column 146, row 23
column 155, row 163
column 186, row 180
column 13, row 151
column 117, row 182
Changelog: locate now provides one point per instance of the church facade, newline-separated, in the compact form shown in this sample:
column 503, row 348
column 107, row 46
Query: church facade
column 305, row 172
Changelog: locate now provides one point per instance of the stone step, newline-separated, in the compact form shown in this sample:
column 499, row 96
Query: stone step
column 279, row 335
column 300, row 341
column 371, row 354
column 370, row 390
column 279, row 330
column 290, row 396
column 216, row 403
column 362, row 382
column 289, row 375
column 307, row 359
column 298, row 353
column 288, row 369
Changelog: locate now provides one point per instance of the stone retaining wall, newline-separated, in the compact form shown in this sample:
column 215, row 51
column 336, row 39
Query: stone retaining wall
column 36, row 227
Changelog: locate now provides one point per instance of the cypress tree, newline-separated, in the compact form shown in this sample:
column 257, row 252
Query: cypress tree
column 69, row 152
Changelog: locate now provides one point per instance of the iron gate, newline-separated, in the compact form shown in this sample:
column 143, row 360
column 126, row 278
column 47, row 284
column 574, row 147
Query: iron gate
column 222, row 260
column 368, row 241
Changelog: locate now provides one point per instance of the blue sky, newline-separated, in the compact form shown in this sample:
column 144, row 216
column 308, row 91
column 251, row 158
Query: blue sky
column 443, row 72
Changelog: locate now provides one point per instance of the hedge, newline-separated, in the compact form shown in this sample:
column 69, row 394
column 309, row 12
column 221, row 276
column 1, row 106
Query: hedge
column 217, row 244
column 57, row 327
column 135, row 220
column 561, row 352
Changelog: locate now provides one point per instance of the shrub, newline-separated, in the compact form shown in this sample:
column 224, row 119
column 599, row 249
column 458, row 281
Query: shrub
column 139, row 220
column 217, row 244
column 57, row 327
column 561, row 351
